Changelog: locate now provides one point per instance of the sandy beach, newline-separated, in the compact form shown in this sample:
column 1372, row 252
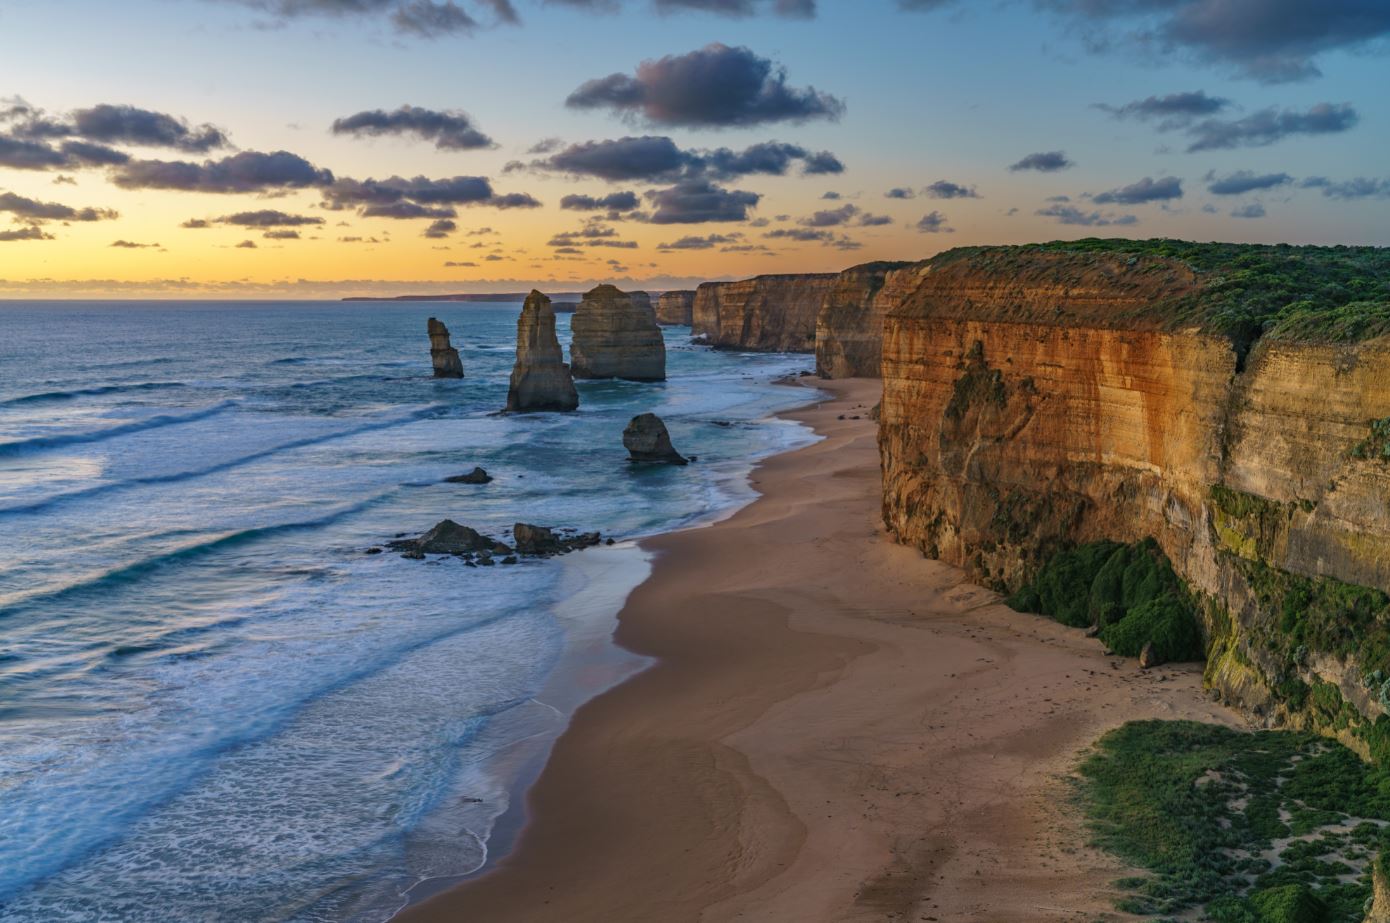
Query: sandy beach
column 834, row 729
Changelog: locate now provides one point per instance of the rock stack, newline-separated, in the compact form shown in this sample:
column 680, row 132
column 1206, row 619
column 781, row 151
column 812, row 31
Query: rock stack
column 647, row 440
column 447, row 363
column 616, row 336
column 675, row 308
column 540, row 378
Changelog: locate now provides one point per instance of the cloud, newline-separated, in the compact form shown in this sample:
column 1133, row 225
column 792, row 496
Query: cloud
column 246, row 245
column 131, row 245
column 440, row 228
column 1272, row 41
column 1044, row 161
column 449, row 130
column 197, row 224
column 281, row 235
column 27, row 209
column 29, row 233
column 247, row 171
column 656, row 158
column 421, row 18
column 22, row 154
column 715, row 86
column 1145, row 190
column 1069, row 214
column 1243, row 181
column 701, row 243
column 615, row 202
column 831, row 217
column 459, row 264
column 694, row 201
column 900, row 192
column 1172, row 111
column 1253, row 210
column 109, row 124
column 810, row 235
column 1269, row 126
column 267, row 218
column 789, row 9
column 1360, row 187
column 942, row 189
column 419, row 197
column 934, row 223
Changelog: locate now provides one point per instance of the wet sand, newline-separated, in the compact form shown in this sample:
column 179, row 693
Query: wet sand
column 835, row 729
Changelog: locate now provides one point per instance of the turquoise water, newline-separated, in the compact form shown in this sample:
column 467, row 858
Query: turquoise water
column 213, row 705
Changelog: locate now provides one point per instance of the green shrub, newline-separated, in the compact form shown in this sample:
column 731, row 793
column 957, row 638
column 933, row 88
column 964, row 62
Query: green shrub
column 1288, row 904
column 1166, row 622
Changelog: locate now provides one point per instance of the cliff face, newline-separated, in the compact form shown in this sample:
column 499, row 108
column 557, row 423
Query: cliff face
column 615, row 335
column 445, row 358
column 849, row 325
column 675, row 308
column 540, row 378
column 767, row 313
column 1045, row 402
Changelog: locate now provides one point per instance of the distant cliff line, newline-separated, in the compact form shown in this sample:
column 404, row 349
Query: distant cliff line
column 493, row 298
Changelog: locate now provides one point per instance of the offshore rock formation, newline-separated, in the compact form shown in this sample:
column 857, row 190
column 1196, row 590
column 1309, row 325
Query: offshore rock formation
column 540, row 541
column 647, row 440
column 849, row 326
column 1039, row 397
column 675, row 308
column 540, row 379
column 615, row 335
column 767, row 313
column 447, row 363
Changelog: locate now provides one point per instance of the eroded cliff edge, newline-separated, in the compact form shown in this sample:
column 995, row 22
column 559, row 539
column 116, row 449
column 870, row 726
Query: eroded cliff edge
column 774, row 313
column 1231, row 402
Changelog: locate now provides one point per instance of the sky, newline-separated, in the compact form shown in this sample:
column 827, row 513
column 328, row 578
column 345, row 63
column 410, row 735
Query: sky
column 325, row 148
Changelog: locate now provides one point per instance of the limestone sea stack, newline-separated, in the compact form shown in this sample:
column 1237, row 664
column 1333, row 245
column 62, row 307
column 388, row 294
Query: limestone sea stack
column 647, row 440
column 616, row 336
column 447, row 363
column 540, row 378
column 675, row 308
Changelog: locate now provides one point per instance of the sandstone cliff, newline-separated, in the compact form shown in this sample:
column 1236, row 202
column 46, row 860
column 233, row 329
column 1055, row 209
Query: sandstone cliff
column 675, row 308
column 615, row 335
column 1040, row 397
column 540, row 379
column 447, row 363
column 849, row 325
column 766, row 313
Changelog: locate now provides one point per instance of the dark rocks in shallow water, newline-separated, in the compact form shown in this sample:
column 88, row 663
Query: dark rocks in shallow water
column 539, row 540
column 373, row 551
column 447, row 538
column 647, row 440
column 476, row 476
column 447, row 363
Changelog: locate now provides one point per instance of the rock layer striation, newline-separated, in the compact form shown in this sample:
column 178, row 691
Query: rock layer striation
column 540, row 379
column 615, row 335
column 775, row 313
column 674, row 308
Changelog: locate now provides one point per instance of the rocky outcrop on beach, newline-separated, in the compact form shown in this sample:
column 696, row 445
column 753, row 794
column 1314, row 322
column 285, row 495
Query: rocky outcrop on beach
column 615, row 335
column 540, row 379
column 775, row 313
column 540, row 541
column 447, row 363
column 475, row 548
column 476, row 476
column 448, row 537
column 1040, row 397
column 674, row 308
column 647, row 440
column 849, row 326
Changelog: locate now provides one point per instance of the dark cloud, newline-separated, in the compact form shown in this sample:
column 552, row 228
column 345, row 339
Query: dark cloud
column 1360, row 187
column 868, row 220
column 22, row 154
column 715, row 86
column 281, row 235
column 408, row 210
column 789, row 9
column 656, row 158
column 821, row 163
column 420, row 197
column 943, row 189
column 810, row 235
column 831, row 217
column 1270, row 40
column 1269, row 126
column 1253, row 210
column 1044, row 161
column 246, row 245
column 33, row 210
column 29, row 233
column 1172, row 111
column 459, row 263
column 450, row 131
column 247, row 171
column 934, row 223
column 545, row 146
column 109, row 124
column 90, row 154
column 701, row 243
column 1068, row 214
column 831, row 196
column 900, row 192
column 420, row 18
column 614, row 202
column 694, row 201
column 197, row 224
column 267, row 218
column 443, row 227
column 1145, row 190
column 771, row 158
column 430, row 19
column 1243, row 181
column 132, row 245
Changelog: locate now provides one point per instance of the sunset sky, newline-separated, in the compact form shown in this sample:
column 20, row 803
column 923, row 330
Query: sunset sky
column 319, row 148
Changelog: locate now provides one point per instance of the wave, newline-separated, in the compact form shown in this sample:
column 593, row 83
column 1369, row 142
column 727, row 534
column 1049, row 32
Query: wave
column 44, row 443
column 47, row 503
column 54, row 396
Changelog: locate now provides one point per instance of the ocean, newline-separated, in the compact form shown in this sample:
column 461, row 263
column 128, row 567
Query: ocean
column 214, row 704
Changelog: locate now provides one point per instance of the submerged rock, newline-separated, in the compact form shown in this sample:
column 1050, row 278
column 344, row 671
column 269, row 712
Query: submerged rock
column 476, row 476
column 540, row 540
column 647, row 440
column 616, row 336
column 448, row 537
column 447, row 363
column 540, row 379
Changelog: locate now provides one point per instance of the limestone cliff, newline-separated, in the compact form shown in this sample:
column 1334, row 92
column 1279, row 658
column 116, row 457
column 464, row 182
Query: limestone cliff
column 1040, row 397
column 766, row 313
column 540, row 379
column 675, row 308
column 849, row 325
column 447, row 363
column 615, row 335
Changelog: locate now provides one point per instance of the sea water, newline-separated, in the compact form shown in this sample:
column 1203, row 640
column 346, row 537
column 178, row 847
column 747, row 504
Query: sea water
column 214, row 704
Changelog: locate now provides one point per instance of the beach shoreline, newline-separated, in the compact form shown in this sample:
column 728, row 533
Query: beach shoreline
column 833, row 728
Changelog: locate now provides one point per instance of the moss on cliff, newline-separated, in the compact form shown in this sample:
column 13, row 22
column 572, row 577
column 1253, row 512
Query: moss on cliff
column 1202, row 807
column 1129, row 592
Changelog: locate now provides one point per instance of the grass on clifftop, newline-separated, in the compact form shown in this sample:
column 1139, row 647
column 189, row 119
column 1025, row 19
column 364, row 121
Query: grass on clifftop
column 1263, row 827
column 1129, row 591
